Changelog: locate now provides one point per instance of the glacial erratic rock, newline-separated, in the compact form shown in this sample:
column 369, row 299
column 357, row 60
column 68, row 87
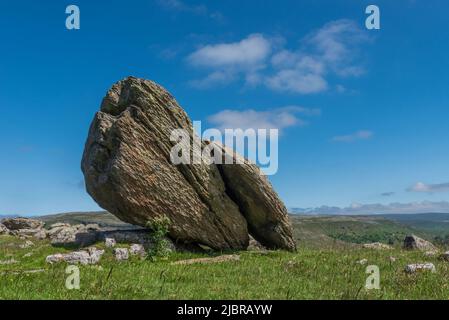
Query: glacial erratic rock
column 128, row 172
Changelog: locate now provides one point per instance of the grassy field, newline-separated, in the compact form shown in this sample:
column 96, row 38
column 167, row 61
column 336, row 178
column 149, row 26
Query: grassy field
column 309, row 273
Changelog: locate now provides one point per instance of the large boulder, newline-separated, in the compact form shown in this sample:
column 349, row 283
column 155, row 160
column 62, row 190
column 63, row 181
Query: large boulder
column 128, row 171
column 412, row 242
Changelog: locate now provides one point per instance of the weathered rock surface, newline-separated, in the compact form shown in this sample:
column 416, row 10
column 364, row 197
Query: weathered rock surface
column 127, row 169
column 22, row 223
column 413, row 242
column 420, row 267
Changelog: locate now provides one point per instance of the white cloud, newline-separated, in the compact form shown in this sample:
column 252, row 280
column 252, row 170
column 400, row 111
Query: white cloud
column 213, row 79
column 246, row 53
column 294, row 81
column 279, row 118
column 330, row 50
column 356, row 136
column 429, row 188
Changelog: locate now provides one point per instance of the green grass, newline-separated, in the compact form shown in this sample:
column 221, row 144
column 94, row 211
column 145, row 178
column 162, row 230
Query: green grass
column 307, row 274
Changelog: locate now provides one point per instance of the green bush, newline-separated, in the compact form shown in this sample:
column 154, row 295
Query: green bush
column 159, row 229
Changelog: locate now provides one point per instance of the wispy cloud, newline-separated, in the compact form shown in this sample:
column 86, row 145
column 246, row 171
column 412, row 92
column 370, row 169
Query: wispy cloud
column 181, row 6
column 278, row 118
column 227, row 61
column 331, row 49
column 261, row 60
column 353, row 137
column 429, row 188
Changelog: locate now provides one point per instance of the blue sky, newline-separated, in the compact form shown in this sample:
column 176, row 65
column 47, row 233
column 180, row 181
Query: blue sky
column 364, row 112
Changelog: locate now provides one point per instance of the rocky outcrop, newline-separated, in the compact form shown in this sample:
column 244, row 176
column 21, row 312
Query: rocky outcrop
column 23, row 228
column 22, row 223
column 413, row 242
column 73, row 236
column 128, row 171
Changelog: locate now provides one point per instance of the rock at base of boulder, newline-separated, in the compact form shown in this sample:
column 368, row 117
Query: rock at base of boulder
column 110, row 242
column 413, row 242
column 121, row 254
column 137, row 249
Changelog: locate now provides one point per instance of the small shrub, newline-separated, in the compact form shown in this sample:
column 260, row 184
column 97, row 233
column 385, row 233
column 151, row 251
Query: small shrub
column 159, row 230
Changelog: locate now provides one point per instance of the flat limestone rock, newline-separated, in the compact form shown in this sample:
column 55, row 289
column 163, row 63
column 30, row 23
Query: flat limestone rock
column 219, row 259
column 128, row 172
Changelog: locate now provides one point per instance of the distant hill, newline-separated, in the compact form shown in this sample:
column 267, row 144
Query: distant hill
column 336, row 231
column 434, row 223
